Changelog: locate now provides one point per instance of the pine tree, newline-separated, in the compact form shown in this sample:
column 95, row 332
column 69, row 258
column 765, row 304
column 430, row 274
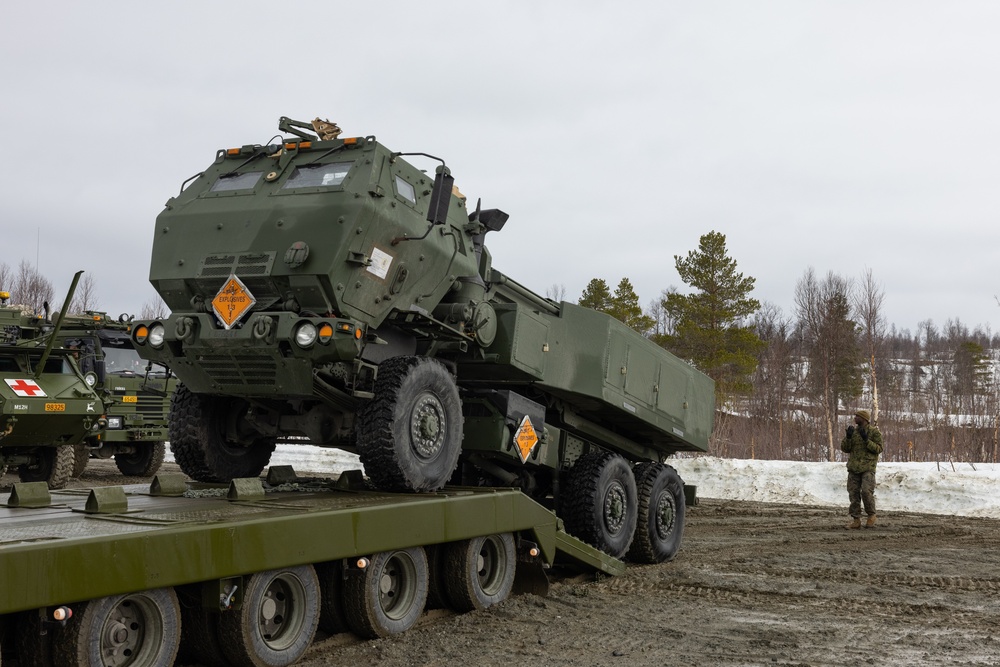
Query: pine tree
column 596, row 295
column 711, row 329
column 624, row 306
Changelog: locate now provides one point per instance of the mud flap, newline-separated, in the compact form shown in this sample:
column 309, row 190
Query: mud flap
column 529, row 577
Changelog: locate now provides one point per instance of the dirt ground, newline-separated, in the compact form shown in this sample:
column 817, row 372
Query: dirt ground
column 753, row 584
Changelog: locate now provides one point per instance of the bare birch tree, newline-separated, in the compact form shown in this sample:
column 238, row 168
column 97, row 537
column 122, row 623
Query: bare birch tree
column 868, row 306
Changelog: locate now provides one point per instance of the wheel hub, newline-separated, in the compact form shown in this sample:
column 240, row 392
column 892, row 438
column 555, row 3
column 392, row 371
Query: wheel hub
column 122, row 635
column 426, row 427
column 272, row 610
column 664, row 515
column 615, row 502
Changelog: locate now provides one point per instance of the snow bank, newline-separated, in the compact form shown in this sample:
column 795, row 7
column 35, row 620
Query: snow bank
column 964, row 490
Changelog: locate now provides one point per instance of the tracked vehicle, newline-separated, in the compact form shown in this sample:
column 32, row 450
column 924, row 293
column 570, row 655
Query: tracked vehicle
column 136, row 394
column 47, row 404
column 328, row 289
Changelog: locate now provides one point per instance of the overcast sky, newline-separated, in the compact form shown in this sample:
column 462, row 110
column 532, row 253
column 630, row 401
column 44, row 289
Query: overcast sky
column 834, row 135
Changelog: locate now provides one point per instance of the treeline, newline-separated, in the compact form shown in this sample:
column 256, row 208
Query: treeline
column 30, row 290
column 788, row 384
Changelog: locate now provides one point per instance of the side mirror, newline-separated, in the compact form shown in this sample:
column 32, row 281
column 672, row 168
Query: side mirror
column 437, row 210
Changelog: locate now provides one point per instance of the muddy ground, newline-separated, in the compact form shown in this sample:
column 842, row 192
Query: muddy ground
column 754, row 584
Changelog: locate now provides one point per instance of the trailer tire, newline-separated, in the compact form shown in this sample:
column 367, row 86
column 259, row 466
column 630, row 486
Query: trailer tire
column 479, row 572
column 81, row 455
column 136, row 629
column 200, row 643
column 144, row 461
column 332, row 618
column 277, row 621
column 53, row 465
column 660, row 526
column 388, row 596
column 410, row 434
column 599, row 502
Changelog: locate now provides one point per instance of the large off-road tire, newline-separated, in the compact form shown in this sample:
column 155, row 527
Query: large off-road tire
column 410, row 434
column 660, row 524
column 599, row 504
column 388, row 596
column 277, row 621
column 185, row 419
column 198, row 440
column 144, row 461
column 81, row 455
column 53, row 465
column 135, row 629
column 479, row 572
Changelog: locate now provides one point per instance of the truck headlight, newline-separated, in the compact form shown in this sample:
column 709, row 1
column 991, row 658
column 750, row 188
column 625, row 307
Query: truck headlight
column 305, row 335
column 114, row 422
column 156, row 333
column 91, row 379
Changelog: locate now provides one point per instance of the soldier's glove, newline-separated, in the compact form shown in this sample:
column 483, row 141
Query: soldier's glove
column 864, row 433
column 850, row 431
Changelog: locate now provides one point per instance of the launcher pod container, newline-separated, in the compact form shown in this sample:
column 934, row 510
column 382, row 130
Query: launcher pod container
column 328, row 290
column 48, row 405
column 136, row 394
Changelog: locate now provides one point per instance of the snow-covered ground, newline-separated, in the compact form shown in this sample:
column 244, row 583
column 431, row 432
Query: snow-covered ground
column 962, row 489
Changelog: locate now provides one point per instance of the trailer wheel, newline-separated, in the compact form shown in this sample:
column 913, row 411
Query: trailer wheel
column 53, row 465
column 332, row 618
column 144, row 461
column 135, row 629
column 277, row 621
column 200, row 642
column 410, row 434
column 599, row 502
column 479, row 572
column 81, row 455
column 661, row 514
column 388, row 596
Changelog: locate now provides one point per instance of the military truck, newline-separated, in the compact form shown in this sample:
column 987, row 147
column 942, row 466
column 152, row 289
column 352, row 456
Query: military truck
column 326, row 288
column 136, row 394
column 47, row 404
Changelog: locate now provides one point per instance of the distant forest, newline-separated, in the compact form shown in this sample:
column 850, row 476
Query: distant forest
column 788, row 384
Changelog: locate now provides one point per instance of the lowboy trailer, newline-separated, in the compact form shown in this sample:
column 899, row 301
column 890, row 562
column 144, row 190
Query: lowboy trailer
column 243, row 574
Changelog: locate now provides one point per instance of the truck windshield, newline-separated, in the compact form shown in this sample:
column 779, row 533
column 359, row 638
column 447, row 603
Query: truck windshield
column 22, row 363
column 318, row 175
column 229, row 182
column 125, row 361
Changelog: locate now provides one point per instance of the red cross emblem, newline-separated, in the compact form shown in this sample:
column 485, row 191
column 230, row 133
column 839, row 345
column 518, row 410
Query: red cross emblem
column 26, row 388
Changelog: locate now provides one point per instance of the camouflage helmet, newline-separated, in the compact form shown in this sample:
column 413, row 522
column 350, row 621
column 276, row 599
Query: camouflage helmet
column 864, row 414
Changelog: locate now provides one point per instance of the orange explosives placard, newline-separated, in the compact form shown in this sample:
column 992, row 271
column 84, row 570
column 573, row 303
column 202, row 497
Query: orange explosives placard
column 233, row 301
column 526, row 438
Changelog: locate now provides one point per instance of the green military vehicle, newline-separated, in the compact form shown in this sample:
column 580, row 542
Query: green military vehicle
column 47, row 403
column 136, row 394
column 328, row 289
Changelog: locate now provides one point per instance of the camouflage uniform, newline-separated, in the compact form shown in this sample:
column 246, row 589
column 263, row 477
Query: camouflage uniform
column 864, row 444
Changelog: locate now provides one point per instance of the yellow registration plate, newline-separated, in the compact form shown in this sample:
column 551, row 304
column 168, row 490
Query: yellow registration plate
column 55, row 407
column 130, row 399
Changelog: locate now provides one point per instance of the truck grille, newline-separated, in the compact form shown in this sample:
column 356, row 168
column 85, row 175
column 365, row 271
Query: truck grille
column 239, row 369
column 253, row 268
column 153, row 407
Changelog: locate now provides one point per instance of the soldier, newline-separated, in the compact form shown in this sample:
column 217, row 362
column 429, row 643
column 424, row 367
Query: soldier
column 864, row 444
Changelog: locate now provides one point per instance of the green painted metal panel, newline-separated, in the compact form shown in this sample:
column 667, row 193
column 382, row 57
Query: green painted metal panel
column 48, row 555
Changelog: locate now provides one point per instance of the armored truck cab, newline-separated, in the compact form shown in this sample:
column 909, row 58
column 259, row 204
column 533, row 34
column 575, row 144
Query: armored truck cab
column 327, row 288
column 47, row 404
column 136, row 394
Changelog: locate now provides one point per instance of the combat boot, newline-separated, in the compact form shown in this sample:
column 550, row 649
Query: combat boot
column 871, row 521
column 855, row 523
